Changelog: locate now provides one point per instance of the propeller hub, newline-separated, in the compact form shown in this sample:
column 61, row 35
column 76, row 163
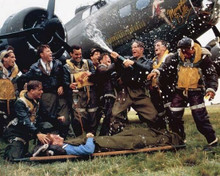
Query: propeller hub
column 50, row 26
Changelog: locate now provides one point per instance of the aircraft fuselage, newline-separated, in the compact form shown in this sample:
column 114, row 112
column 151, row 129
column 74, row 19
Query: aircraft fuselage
column 121, row 21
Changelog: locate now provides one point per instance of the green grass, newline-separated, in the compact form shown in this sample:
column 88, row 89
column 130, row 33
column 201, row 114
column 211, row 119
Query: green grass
column 190, row 161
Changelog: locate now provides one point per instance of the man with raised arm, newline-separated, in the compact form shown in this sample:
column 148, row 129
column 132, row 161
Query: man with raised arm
column 134, row 92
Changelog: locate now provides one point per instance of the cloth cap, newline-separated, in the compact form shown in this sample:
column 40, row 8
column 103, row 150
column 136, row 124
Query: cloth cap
column 93, row 50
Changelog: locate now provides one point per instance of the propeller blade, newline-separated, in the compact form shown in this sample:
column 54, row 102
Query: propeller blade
column 50, row 8
column 65, row 45
column 21, row 33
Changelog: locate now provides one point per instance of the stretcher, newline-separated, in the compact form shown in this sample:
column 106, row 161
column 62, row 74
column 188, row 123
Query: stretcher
column 100, row 154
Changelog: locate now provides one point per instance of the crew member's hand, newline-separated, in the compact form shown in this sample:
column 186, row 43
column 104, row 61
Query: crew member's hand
column 85, row 75
column 60, row 90
column 73, row 85
column 128, row 62
column 152, row 76
column 25, row 86
column 61, row 118
column 43, row 138
column 210, row 95
column 119, row 81
column 89, row 135
column 114, row 55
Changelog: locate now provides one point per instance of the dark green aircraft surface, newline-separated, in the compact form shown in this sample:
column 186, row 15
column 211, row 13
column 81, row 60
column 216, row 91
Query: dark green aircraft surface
column 110, row 25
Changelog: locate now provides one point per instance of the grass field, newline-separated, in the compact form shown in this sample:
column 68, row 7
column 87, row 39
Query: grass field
column 191, row 161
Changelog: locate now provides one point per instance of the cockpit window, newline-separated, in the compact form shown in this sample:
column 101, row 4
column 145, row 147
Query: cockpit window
column 125, row 11
column 141, row 4
column 85, row 14
column 100, row 4
column 94, row 9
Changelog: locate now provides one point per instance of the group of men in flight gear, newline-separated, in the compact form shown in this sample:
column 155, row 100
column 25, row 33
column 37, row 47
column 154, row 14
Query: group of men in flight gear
column 77, row 88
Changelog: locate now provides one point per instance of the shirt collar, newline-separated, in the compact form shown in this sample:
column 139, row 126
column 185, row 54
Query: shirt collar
column 35, row 102
column 44, row 64
column 77, row 63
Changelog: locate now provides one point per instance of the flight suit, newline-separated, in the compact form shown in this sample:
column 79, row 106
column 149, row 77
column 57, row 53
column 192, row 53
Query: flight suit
column 161, row 90
column 106, row 77
column 8, row 94
column 24, row 127
column 84, row 113
column 191, row 88
column 133, row 94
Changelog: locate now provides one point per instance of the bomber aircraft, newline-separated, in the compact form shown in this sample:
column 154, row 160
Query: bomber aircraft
column 108, row 24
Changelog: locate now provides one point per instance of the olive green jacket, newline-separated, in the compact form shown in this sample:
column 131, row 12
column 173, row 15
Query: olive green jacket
column 132, row 139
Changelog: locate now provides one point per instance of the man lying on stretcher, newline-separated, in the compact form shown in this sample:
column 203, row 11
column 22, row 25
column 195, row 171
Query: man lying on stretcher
column 57, row 146
column 129, row 139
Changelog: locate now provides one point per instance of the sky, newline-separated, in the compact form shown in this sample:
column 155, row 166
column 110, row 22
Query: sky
column 65, row 10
